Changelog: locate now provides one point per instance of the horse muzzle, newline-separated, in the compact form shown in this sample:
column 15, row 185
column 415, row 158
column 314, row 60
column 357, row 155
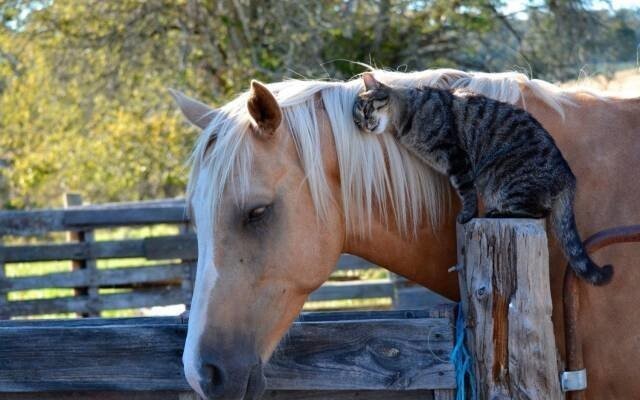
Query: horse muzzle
column 232, row 378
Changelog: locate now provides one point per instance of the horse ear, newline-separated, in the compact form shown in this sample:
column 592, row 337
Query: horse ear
column 197, row 113
column 264, row 108
column 370, row 82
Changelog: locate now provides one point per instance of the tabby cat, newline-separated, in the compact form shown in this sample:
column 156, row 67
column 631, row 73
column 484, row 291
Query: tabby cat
column 484, row 146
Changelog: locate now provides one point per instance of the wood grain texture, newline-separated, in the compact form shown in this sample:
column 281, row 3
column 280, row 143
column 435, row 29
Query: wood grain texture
column 348, row 395
column 166, row 279
column 113, row 277
column 444, row 394
column 504, row 282
column 353, row 289
column 26, row 223
column 269, row 395
column 152, row 248
column 83, row 254
column 135, row 299
column 129, row 355
column 88, row 265
column 443, row 311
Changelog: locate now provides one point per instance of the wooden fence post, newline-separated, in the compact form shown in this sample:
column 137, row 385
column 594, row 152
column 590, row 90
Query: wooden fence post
column 504, row 282
column 90, row 291
column 188, row 280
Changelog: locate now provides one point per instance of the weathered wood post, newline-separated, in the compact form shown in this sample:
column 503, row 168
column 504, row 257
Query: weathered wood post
column 504, row 282
column 89, row 265
column 189, row 277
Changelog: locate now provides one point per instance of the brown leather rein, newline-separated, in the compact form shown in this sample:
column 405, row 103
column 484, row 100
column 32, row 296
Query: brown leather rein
column 571, row 296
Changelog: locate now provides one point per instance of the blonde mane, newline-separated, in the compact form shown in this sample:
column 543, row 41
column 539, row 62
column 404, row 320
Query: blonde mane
column 375, row 172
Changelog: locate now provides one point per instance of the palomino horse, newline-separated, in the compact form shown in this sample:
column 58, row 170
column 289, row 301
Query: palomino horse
column 282, row 184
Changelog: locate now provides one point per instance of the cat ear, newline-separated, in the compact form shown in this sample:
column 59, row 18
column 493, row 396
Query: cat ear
column 370, row 82
column 264, row 108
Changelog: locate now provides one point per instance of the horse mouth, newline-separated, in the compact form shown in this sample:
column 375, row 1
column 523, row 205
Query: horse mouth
column 255, row 384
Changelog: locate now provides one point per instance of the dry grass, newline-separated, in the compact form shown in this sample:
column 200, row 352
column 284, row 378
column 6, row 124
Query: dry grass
column 624, row 83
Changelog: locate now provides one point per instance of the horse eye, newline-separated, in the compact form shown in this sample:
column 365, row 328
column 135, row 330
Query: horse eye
column 257, row 213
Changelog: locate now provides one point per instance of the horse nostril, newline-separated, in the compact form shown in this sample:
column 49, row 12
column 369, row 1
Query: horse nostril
column 213, row 376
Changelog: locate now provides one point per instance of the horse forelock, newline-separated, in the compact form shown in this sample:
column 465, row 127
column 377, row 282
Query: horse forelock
column 377, row 175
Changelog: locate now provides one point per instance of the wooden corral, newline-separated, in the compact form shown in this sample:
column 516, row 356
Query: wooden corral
column 169, row 281
column 341, row 355
column 504, row 281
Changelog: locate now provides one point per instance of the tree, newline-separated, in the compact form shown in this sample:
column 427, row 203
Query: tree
column 83, row 85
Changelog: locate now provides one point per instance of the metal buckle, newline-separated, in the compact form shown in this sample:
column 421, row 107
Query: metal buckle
column 571, row 381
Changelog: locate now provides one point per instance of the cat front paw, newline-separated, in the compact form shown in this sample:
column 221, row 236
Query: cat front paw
column 465, row 216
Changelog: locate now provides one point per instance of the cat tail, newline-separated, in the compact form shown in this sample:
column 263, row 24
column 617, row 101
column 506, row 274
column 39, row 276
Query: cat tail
column 564, row 225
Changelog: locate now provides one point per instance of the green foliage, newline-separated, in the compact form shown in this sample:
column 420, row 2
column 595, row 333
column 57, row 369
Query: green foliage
column 83, row 84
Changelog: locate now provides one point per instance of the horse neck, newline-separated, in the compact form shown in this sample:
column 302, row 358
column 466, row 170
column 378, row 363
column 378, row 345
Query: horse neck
column 424, row 259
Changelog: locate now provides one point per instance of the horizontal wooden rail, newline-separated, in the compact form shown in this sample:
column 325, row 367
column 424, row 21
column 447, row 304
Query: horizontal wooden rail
column 144, row 355
column 351, row 290
column 178, row 254
column 27, row 223
column 163, row 295
column 169, row 274
column 151, row 248
column 269, row 394
column 134, row 299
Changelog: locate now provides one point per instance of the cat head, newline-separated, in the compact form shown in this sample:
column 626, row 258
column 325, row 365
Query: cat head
column 372, row 109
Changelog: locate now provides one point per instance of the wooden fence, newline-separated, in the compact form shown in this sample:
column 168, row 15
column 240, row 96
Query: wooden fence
column 168, row 281
column 394, row 355
column 504, row 281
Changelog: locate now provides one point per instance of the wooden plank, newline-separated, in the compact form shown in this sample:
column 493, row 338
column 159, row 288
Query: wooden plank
column 74, row 251
column 444, row 394
column 84, row 218
column 379, row 354
column 153, row 248
column 183, row 246
column 25, row 223
column 350, row 290
column 134, row 299
column 102, row 395
column 113, row 277
column 270, row 394
column 506, row 300
column 387, row 354
column 415, row 296
column 179, row 246
column 347, row 395
column 87, row 322
column 189, row 276
column 443, row 311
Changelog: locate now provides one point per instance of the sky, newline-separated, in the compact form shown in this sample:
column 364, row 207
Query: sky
column 619, row 3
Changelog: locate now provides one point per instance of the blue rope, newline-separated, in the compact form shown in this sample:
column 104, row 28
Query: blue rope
column 461, row 359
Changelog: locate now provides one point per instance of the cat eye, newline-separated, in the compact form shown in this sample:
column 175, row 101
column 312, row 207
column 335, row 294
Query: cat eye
column 380, row 103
